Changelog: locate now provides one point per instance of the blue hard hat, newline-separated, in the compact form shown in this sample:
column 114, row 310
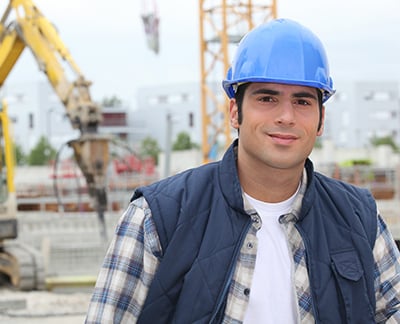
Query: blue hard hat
column 281, row 51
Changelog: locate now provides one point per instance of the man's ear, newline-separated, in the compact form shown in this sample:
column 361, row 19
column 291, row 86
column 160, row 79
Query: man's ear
column 321, row 124
column 233, row 112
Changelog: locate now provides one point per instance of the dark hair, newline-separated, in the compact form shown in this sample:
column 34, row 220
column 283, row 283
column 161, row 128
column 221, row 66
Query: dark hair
column 239, row 95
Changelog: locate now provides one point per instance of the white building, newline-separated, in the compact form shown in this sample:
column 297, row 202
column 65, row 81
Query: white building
column 356, row 113
column 176, row 105
column 360, row 111
column 35, row 111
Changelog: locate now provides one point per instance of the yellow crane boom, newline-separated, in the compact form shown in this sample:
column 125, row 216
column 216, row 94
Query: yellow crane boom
column 24, row 26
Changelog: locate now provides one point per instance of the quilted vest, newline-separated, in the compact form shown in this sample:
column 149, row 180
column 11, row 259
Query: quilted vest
column 201, row 224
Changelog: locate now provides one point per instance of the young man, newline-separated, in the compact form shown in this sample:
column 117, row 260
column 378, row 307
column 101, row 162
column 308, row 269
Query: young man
column 257, row 237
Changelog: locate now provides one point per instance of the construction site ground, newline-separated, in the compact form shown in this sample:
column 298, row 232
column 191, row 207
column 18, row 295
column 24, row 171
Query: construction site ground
column 43, row 307
column 67, row 233
column 73, row 250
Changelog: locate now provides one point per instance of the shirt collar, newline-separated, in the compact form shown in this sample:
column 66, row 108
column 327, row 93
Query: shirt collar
column 294, row 214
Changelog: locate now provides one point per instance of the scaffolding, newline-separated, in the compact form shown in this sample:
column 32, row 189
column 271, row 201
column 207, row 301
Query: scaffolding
column 222, row 24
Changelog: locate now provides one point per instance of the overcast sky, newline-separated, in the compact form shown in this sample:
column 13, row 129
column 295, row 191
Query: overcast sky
column 107, row 40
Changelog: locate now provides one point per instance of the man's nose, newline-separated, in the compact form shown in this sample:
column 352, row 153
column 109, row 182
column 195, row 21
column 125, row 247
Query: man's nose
column 285, row 114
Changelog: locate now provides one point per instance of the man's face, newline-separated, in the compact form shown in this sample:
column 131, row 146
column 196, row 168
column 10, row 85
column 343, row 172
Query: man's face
column 279, row 125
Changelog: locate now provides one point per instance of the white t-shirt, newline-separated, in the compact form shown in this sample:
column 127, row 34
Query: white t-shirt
column 272, row 296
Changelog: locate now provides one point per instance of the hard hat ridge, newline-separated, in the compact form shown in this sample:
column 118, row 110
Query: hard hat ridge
column 281, row 51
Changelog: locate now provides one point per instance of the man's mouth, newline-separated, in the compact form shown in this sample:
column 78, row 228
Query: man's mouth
column 283, row 139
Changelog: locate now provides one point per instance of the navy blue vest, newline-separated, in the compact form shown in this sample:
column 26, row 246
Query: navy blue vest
column 201, row 223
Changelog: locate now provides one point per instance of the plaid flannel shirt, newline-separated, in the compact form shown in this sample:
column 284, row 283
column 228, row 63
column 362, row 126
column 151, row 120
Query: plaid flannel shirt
column 133, row 257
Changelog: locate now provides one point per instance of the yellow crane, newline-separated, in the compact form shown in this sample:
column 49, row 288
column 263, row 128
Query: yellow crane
column 24, row 26
column 222, row 25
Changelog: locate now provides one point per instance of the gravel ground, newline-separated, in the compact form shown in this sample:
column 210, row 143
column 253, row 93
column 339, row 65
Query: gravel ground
column 43, row 307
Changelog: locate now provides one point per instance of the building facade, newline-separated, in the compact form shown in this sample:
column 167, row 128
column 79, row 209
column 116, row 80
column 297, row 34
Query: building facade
column 358, row 112
column 165, row 111
column 36, row 111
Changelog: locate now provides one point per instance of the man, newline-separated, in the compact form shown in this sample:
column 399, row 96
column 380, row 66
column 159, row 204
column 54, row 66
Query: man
column 257, row 237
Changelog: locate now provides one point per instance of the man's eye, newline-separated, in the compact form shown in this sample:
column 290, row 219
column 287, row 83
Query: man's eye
column 303, row 102
column 266, row 99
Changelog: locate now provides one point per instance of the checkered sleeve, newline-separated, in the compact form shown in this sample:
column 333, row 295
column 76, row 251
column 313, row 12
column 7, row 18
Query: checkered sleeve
column 387, row 276
column 128, row 268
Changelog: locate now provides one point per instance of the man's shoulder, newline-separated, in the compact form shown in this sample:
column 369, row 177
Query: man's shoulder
column 337, row 184
column 193, row 178
column 346, row 197
column 341, row 189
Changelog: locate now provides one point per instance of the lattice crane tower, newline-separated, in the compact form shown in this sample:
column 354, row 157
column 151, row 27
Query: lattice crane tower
column 222, row 24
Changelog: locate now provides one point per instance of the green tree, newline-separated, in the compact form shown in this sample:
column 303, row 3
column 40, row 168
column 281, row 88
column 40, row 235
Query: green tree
column 113, row 101
column 183, row 142
column 42, row 153
column 150, row 148
column 385, row 140
column 20, row 156
column 318, row 143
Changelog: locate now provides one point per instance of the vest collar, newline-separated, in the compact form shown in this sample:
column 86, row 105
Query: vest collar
column 229, row 178
column 232, row 190
column 310, row 193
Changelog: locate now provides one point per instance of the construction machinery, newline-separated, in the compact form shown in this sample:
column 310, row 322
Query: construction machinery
column 20, row 265
column 24, row 26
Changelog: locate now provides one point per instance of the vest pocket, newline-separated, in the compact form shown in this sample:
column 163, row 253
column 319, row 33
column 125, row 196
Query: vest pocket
column 351, row 286
column 348, row 265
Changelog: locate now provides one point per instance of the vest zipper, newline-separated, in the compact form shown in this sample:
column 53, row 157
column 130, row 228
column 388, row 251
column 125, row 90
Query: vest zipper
column 231, row 272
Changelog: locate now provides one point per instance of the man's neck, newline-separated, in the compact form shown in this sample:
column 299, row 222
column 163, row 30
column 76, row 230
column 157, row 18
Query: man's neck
column 269, row 185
